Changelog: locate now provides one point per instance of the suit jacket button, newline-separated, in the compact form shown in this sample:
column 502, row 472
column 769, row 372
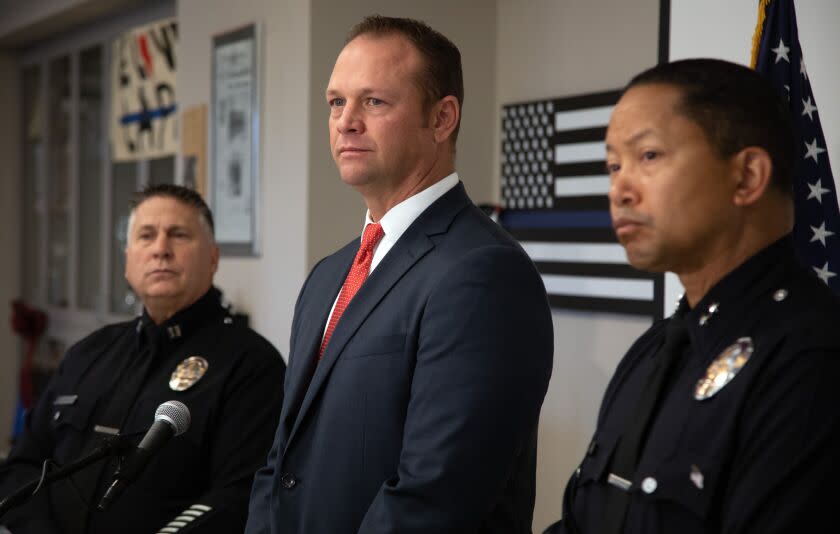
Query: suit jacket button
column 288, row 480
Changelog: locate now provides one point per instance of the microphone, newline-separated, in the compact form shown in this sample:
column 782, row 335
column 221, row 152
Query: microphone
column 172, row 418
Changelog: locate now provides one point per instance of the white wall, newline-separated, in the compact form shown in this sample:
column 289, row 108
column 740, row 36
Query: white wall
column 265, row 287
column 10, row 216
column 817, row 21
column 549, row 49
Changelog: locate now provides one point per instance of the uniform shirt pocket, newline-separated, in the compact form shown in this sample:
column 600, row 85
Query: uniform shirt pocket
column 594, row 466
column 686, row 481
column 69, row 423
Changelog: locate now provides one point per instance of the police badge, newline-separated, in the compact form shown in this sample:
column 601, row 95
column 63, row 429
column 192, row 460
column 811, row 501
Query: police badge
column 724, row 368
column 188, row 373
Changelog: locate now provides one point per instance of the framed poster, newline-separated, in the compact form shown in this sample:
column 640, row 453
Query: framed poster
column 235, row 139
column 554, row 189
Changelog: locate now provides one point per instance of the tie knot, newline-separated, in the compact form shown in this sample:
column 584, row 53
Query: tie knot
column 371, row 236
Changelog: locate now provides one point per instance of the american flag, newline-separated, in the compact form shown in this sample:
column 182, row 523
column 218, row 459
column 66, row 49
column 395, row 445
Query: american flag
column 777, row 55
column 554, row 197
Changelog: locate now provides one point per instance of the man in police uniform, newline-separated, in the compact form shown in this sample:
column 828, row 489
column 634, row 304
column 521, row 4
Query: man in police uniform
column 184, row 347
column 723, row 418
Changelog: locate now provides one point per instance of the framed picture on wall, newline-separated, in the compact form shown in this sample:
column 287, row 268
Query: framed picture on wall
column 235, row 140
column 554, row 189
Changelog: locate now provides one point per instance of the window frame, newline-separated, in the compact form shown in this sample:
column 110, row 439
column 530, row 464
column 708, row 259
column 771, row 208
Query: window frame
column 71, row 323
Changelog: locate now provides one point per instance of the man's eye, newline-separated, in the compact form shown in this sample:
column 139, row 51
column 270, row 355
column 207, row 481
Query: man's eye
column 650, row 154
column 375, row 102
column 613, row 167
column 336, row 102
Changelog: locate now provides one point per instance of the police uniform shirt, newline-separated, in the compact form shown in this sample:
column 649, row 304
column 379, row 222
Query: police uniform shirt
column 760, row 455
column 113, row 381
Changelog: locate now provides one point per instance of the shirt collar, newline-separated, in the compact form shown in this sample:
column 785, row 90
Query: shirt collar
column 722, row 314
column 397, row 220
column 182, row 323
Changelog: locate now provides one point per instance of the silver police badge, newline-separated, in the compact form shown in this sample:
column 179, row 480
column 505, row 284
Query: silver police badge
column 188, row 373
column 724, row 368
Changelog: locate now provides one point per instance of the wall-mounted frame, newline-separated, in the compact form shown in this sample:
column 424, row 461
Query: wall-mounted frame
column 235, row 140
column 554, row 196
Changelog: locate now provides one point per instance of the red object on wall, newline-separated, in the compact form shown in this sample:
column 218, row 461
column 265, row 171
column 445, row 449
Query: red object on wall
column 29, row 323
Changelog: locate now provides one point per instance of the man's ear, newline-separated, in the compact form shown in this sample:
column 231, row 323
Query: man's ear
column 445, row 116
column 753, row 172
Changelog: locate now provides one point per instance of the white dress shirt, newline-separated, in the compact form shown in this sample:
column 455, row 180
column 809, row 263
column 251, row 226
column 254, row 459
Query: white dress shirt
column 397, row 220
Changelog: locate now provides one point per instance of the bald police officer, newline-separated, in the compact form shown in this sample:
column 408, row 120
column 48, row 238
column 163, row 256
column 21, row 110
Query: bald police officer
column 723, row 418
column 185, row 346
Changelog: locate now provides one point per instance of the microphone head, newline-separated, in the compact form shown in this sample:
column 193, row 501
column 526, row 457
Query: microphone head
column 176, row 414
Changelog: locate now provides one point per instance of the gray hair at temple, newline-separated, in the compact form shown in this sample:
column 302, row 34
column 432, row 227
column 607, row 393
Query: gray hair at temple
column 182, row 194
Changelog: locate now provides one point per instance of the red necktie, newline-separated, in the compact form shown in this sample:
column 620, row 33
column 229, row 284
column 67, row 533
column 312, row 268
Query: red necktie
column 355, row 278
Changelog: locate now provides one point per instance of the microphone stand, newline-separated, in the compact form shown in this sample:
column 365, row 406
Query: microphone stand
column 112, row 447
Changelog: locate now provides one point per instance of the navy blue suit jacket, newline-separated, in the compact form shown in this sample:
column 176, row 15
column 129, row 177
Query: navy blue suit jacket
column 422, row 415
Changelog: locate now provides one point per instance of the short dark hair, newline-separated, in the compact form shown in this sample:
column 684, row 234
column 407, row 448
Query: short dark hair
column 180, row 193
column 734, row 106
column 442, row 74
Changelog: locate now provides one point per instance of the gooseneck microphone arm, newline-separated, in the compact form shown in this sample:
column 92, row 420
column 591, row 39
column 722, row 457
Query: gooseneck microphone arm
column 112, row 447
column 172, row 418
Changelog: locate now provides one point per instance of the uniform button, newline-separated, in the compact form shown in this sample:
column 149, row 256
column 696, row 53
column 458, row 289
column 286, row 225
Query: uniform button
column 56, row 416
column 288, row 480
column 649, row 485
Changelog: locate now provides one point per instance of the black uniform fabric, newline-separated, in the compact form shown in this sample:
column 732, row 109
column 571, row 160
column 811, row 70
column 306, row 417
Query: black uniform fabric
column 116, row 378
column 759, row 456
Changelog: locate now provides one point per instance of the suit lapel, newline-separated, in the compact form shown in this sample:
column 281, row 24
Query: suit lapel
column 409, row 249
column 311, row 329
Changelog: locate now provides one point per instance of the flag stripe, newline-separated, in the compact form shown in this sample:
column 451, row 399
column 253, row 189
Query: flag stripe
column 580, row 136
column 587, row 168
column 569, row 235
column 591, row 203
column 574, row 152
column 610, row 305
column 577, row 186
column 608, row 270
column 582, row 118
column 584, row 286
column 556, row 219
column 575, row 252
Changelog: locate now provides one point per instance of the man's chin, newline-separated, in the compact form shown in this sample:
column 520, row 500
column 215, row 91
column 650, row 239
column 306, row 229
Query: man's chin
column 354, row 175
column 644, row 260
column 161, row 290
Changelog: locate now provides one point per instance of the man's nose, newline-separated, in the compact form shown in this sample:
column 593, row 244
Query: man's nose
column 350, row 120
column 623, row 189
column 161, row 246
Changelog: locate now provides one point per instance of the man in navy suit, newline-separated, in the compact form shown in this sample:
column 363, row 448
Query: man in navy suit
column 420, row 357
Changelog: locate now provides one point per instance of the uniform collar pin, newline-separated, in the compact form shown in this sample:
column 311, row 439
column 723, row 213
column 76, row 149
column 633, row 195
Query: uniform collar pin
column 696, row 477
column 174, row 331
column 713, row 308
